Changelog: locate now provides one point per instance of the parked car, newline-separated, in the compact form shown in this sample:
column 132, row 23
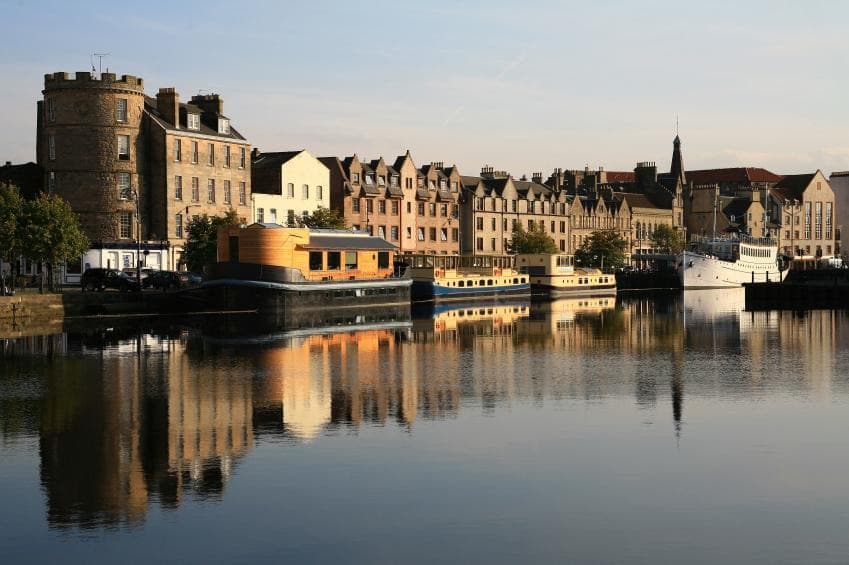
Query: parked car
column 164, row 280
column 100, row 279
column 145, row 272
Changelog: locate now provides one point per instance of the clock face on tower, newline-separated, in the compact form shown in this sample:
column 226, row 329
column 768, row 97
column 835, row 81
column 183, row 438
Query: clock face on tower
column 81, row 107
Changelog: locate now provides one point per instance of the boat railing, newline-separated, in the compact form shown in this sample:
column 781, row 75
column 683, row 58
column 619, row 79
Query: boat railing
column 734, row 240
column 277, row 274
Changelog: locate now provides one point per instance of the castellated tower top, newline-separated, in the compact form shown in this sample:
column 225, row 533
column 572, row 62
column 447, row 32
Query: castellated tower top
column 85, row 79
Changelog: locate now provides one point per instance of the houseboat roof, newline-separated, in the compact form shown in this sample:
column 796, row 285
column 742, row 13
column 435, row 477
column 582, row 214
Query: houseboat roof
column 346, row 241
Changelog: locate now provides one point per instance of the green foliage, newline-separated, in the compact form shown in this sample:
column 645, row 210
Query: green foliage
column 667, row 239
column 533, row 241
column 202, row 241
column 49, row 230
column 602, row 248
column 11, row 208
column 325, row 218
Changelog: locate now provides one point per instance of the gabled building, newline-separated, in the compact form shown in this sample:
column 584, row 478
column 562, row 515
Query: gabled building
column 839, row 182
column 807, row 216
column 287, row 186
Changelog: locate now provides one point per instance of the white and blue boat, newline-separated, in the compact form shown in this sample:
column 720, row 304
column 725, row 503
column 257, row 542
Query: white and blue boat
column 460, row 277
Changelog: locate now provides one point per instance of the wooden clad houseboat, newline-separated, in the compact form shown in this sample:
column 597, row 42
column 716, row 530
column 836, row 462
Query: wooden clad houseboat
column 296, row 272
column 556, row 274
column 460, row 277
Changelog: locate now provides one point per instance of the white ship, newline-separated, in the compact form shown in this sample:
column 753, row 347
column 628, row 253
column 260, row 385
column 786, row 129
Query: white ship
column 716, row 262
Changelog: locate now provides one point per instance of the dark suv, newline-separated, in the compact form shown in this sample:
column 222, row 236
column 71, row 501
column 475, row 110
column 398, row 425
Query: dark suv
column 101, row 279
column 164, row 280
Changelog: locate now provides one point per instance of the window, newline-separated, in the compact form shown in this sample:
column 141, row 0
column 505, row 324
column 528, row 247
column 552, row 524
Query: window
column 272, row 215
column 350, row 259
column 369, row 206
column 210, row 154
column 393, row 181
column 443, row 210
column 243, row 193
column 455, row 234
column 381, row 180
column 319, row 192
column 479, row 244
column 227, row 192
column 393, row 233
column 242, row 154
column 442, row 184
column 494, row 224
column 194, row 152
column 51, row 182
column 260, row 215
column 51, row 110
column 123, row 147
column 178, row 226
column 305, row 191
column 290, row 219
column 210, row 190
column 227, row 156
column 409, row 232
column 381, row 206
column 316, row 260
column 394, row 207
column 51, row 147
column 381, row 231
column 409, row 207
column 125, row 191
column 420, row 233
column 431, row 184
column 334, row 260
column 290, row 190
column 382, row 259
column 421, row 208
column 369, row 178
column 432, row 233
column 531, row 225
column 492, row 243
column 420, row 182
column 432, row 208
column 479, row 223
column 178, row 187
column 193, row 121
column 178, row 150
column 121, row 110
column 355, row 178
column 443, row 234
column 195, row 189
column 224, row 126
column 355, row 205
column 125, row 225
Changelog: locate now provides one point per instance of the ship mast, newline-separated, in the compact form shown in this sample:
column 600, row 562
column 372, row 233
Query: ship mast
column 715, row 198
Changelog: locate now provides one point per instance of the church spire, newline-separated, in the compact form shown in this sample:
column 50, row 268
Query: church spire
column 676, row 170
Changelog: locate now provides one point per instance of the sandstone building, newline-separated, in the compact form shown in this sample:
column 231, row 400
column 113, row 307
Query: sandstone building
column 136, row 168
column 287, row 186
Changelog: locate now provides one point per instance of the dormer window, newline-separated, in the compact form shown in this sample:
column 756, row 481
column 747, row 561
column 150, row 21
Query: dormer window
column 381, row 180
column 369, row 179
column 394, row 181
column 224, row 126
column 432, row 184
column 442, row 184
column 193, row 121
column 355, row 178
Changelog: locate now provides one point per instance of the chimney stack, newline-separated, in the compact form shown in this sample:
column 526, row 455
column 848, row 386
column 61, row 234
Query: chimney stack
column 168, row 105
column 209, row 103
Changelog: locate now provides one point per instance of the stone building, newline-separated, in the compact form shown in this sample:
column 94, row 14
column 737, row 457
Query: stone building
column 807, row 216
column 415, row 209
column 839, row 182
column 134, row 168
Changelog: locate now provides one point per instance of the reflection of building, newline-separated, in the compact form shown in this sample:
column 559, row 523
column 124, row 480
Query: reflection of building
column 118, row 430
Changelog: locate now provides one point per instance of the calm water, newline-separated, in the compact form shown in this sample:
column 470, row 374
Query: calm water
column 663, row 430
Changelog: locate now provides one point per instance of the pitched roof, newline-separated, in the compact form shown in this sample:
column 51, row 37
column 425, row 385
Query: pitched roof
column 793, row 186
column 736, row 207
column 150, row 108
column 275, row 158
column 28, row 177
column 619, row 176
column 634, row 199
column 337, row 239
column 739, row 175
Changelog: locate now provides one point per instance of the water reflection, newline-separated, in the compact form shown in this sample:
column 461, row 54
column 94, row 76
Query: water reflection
column 125, row 418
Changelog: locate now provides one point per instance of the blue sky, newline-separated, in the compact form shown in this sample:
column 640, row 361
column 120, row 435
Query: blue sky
column 522, row 86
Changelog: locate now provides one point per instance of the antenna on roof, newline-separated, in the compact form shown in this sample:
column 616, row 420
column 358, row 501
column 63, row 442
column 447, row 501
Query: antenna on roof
column 100, row 57
column 676, row 124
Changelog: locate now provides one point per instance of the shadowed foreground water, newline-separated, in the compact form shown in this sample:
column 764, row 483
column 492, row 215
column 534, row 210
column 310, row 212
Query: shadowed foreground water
column 653, row 430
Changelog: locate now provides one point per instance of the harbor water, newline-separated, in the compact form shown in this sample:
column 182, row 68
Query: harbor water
column 666, row 429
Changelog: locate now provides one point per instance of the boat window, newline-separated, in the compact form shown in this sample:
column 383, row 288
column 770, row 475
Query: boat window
column 489, row 282
column 461, row 283
column 382, row 259
column 515, row 281
column 350, row 259
column 316, row 260
column 523, row 280
column 334, row 261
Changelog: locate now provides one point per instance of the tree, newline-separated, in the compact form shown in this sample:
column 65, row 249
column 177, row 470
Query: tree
column 534, row 240
column 202, row 241
column 667, row 239
column 604, row 248
column 49, row 232
column 325, row 218
column 11, row 207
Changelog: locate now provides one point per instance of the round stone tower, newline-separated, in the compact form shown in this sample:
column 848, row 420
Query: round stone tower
column 92, row 147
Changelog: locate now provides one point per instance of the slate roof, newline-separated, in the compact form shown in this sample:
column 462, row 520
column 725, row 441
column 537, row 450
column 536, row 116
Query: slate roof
column 28, row 177
column 346, row 241
column 736, row 207
column 276, row 158
column 793, row 186
column 150, row 108
column 635, row 200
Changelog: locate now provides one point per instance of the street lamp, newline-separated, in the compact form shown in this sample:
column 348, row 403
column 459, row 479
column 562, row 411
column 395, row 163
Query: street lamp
column 138, row 238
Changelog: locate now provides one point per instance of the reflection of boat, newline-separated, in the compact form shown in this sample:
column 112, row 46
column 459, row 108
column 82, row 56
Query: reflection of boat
column 556, row 274
column 714, row 262
column 460, row 277
column 567, row 309
column 474, row 318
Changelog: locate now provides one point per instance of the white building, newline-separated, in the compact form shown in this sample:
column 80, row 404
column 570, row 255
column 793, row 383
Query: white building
column 287, row 185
